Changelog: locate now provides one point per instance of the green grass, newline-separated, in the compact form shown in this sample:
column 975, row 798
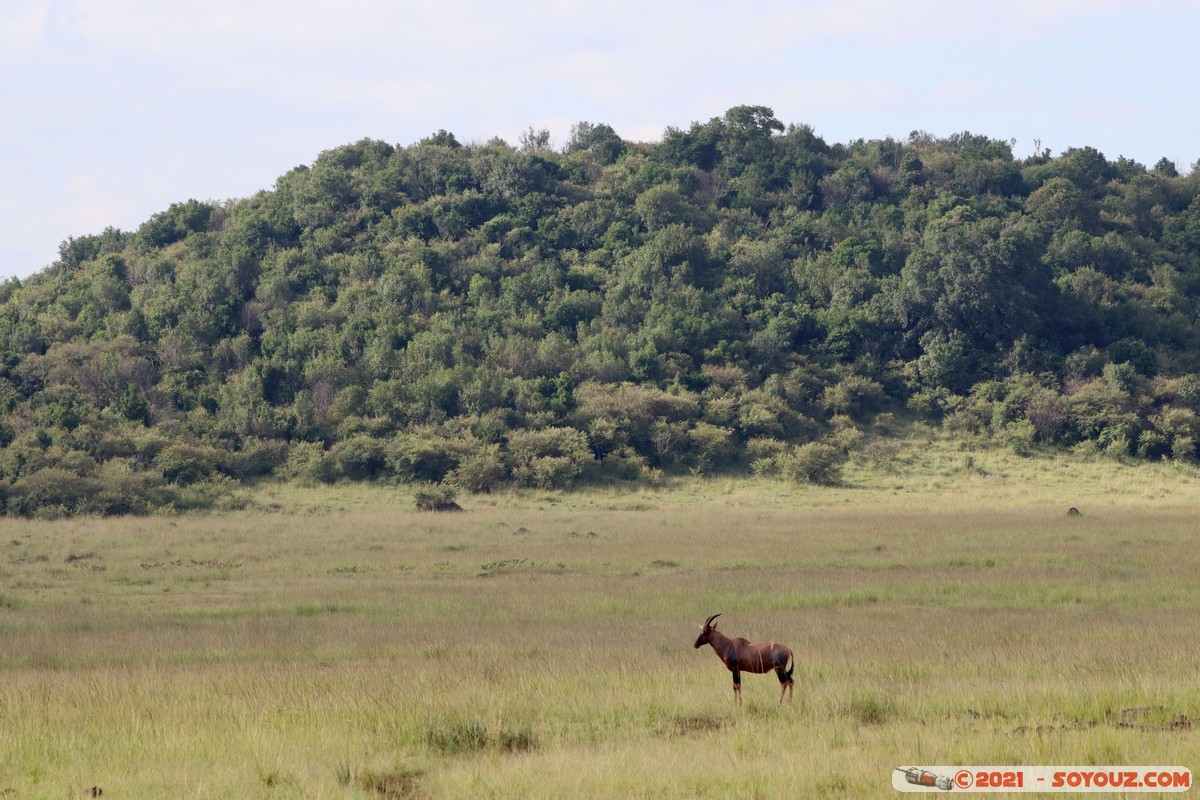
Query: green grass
column 334, row 642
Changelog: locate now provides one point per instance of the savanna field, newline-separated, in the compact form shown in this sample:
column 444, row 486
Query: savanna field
column 335, row 642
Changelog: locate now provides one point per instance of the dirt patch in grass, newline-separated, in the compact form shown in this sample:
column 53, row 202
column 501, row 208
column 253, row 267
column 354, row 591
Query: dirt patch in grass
column 400, row 785
column 696, row 724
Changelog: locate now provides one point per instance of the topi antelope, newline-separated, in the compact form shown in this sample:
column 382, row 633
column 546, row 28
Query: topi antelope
column 742, row 656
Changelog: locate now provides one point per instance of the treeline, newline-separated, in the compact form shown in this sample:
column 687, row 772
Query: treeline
column 737, row 295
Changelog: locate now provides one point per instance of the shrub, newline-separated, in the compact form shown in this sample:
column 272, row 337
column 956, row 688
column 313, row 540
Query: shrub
column 1096, row 405
column 26, row 454
column 185, row 464
column 1153, row 445
column 1020, row 436
column 765, row 466
column 624, row 463
column 632, row 411
column 421, row 456
column 930, row 402
column 219, row 491
column 256, row 457
column 883, row 452
column 853, row 395
column 1188, row 391
column 126, row 490
column 548, row 458
column 309, row 462
column 1117, row 440
column 846, row 435
column 359, row 457
column 762, row 415
column 764, row 447
column 710, row 445
column 1047, row 412
column 651, row 476
column 1175, row 422
column 815, row 462
column 50, row 491
column 1183, row 448
column 480, row 470
column 437, row 497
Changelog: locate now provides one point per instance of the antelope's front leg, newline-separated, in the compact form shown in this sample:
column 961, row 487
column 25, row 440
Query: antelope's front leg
column 737, row 687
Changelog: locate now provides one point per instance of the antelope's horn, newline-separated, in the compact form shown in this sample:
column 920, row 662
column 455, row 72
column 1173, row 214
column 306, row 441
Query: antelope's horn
column 708, row 621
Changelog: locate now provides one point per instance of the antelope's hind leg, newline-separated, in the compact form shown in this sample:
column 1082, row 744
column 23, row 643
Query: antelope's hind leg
column 785, row 684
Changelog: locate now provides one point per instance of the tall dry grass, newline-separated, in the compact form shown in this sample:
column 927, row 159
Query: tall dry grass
column 336, row 643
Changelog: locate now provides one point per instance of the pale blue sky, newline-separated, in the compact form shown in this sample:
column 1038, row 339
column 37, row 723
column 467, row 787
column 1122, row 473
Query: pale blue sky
column 111, row 110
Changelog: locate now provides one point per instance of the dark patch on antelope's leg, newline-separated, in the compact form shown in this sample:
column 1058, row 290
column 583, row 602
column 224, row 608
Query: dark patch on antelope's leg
column 737, row 687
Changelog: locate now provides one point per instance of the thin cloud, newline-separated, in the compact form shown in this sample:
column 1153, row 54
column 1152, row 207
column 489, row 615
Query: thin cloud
column 22, row 27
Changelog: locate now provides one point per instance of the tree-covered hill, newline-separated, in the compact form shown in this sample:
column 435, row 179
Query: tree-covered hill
column 737, row 295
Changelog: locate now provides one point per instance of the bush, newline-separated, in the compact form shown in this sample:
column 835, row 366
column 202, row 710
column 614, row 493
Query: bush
column 765, row 466
column 50, row 492
column 359, row 458
column 1188, row 391
column 219, row 491
column 628, row 412
column 422, row 456
column 551, row 458
column 1020, row 436
column 930, row 402
column 763, row 415
column 846, row 435
column 624, row 463
column 127, row 490
column 26, row 454
column 815, row 462
column 1183, row 448
column 1118, row 440
column 883, row 452
column 1153, row 445
column 437, row 497
column 1047, row 412
column 764, row 447
column 853, row 396
column 710, row 445
column 185, row 464
column 116, row 488
column 1096, row 405
column 1175, row 422
column 309, row 462
column 480, row 470
column 256, row 457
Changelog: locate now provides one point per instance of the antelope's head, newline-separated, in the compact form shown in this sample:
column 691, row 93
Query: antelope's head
column 706, row 631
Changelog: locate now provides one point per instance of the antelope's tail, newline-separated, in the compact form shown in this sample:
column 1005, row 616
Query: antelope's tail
column 792, row 668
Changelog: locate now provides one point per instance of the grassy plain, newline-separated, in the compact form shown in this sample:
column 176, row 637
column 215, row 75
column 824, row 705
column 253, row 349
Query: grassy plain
column 337, row 643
